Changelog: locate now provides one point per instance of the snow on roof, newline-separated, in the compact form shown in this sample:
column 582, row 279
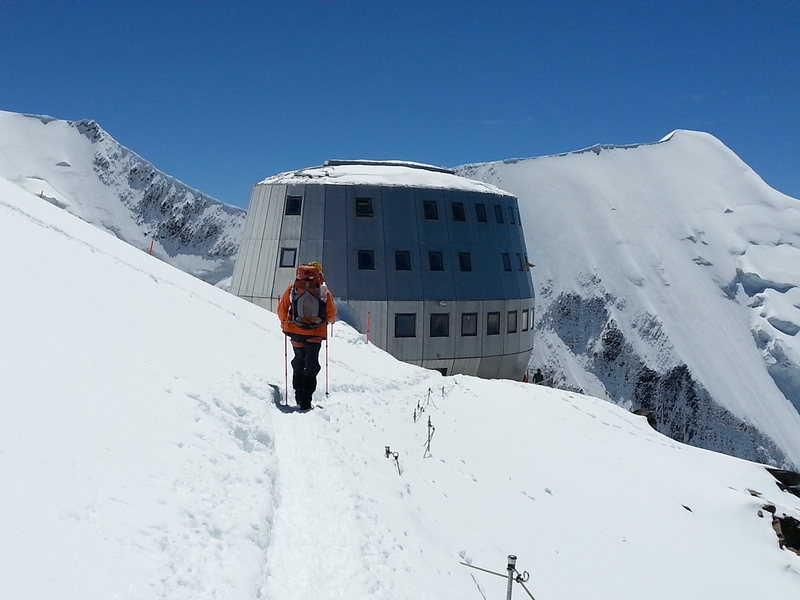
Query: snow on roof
column 393, row 173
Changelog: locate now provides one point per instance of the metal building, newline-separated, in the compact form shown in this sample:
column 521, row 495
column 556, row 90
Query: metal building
column 431, row 264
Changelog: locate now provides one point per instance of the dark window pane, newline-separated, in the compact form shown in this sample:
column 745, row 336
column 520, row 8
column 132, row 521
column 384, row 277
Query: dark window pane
column 405, row 325
column 480, row 213
column 458, row 211
column 293, row 205
column 493, row 323
column 402, row 260
column 511, row 218
column 521, row 262
column 465, row 261
column 288, row 257
column 506, row 261
column 440, row 324
column 512, row 321
column 436, row 261
column 366, row 260
column 431, row 210
column 498, row 213
column 525, row 319
column 363, row 207
column 519, row 218
column 469, row 324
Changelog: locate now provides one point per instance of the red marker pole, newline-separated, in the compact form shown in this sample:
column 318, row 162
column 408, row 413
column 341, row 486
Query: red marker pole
column 151, row 247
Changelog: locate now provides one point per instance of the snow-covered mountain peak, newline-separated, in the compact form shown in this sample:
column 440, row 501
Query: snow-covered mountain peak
column 78, row 166
column 666, row 279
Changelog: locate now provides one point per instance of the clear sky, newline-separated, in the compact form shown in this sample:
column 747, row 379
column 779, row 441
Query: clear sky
column 221, row 95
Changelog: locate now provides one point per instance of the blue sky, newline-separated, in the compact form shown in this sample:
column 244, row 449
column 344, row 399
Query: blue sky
column 222, row 95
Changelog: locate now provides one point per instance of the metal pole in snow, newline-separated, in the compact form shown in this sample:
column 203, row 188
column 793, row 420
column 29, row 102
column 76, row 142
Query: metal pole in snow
column 512, row 566
column 151, row 247
column 327, row 363
column 369, row 319
column 285, row 371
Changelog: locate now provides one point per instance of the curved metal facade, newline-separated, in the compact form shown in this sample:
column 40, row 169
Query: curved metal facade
column 452, row 293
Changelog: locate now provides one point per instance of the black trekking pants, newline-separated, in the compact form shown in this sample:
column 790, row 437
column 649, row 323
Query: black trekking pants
column 305, row 367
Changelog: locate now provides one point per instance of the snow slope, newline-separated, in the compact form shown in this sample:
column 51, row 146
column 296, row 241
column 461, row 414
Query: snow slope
column 668, row 277
column 79, row 167
column 143, row 455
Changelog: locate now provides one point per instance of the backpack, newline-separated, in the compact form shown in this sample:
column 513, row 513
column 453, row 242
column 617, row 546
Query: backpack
column 307, row 298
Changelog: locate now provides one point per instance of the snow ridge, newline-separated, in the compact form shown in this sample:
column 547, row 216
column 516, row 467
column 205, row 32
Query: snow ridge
column 79, row 167
column 682, row 265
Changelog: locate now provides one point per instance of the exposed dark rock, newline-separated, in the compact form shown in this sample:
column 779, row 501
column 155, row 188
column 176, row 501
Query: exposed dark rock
column 649, row 415
column 675, row 403
column 788, row 531
column 788, row 481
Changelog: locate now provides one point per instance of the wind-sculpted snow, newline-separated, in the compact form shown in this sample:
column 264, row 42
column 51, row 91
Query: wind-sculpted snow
column 147, row 453
column 79, row 167
column 680, row 260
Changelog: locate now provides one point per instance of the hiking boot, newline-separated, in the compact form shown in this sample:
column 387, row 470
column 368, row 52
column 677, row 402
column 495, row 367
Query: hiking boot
column 303, row 401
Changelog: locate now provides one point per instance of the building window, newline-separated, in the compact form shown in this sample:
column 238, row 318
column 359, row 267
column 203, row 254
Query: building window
column 440, row 325
column 480, row 213
column 402, row 260
column 512, row 321
column 511, row 218
column 469, row 324
column 363, row 207
column 431, row 210
column 288, row 257
column 405, row 325
column 493, row 323
column 506, row 261
column 293, row 205
column 465, row 261
column 498, row 213
column 436, row 261
column 521, row 262
column 458, row 211
column 519, row 217
column 525, row 319
column 366, row 260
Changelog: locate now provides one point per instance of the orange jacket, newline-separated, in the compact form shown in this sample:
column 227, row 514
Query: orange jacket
column 320, row 330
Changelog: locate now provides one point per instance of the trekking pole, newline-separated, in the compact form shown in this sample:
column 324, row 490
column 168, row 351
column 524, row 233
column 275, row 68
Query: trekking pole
column 285, row 371
column 326, row 367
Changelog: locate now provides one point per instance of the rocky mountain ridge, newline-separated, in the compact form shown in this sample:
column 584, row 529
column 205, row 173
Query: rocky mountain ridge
column 79, row 167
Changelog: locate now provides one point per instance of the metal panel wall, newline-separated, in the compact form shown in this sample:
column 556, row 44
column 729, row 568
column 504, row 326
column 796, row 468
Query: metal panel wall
column 492, row 345
column 335, row 250
column 245, row 245
column 268, row 256
column 405, row 348
column 434, row 237
column 365, row 234
column 437, row 347
column 400, row 221
column 313, row 229
column 261, row 194
column 489, row 367
column 468, row 346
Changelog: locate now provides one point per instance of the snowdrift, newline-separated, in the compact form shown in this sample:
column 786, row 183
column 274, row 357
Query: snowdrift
column 145, row 454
